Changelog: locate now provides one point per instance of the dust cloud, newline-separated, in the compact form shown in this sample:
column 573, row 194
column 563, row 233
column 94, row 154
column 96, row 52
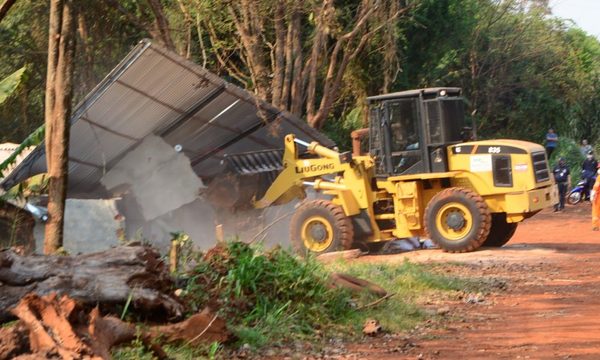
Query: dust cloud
column 160, row 194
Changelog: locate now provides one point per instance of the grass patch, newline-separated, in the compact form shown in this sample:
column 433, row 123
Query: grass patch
column 412, row 284
column 136, row 350
column 274, row 298
column 9, row 324
column 266, row 297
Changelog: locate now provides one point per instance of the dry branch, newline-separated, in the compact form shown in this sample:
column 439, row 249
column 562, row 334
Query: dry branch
column 60, row 327
column 334, row 256
column 5, row 6
column 204, row 327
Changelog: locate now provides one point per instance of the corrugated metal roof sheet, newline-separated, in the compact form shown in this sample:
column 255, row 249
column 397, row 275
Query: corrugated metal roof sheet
column 155, row 91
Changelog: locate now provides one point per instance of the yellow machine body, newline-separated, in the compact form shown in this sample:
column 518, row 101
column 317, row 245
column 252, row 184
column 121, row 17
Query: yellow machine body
column 352, row 184
column 422, row 176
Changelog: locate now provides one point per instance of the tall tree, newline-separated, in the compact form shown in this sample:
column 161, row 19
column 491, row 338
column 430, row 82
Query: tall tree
column 59, row 93
column 296, row 59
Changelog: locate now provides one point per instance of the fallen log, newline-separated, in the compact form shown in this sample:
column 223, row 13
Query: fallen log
column 106, row 278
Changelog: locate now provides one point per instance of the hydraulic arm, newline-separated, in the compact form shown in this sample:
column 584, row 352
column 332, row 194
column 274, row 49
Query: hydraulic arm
column 350, row 176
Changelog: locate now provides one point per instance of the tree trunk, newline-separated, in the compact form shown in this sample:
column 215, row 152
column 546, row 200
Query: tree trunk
column 313, row 61
column 279, row 63
column 298, row 82
column 106, row 278
column 249, row 24
column 59, row 93
column 162, row 24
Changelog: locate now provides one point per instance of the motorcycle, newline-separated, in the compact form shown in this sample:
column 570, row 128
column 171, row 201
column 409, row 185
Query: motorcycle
column 581, row 191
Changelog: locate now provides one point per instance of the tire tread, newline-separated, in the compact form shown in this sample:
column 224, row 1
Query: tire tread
column 341, row 222
column 482, row 208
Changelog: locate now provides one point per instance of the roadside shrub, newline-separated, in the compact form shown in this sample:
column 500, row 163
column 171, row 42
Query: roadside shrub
column 265, row 297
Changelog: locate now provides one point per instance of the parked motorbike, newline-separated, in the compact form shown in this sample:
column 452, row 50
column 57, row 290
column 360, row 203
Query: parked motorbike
column 580, row 191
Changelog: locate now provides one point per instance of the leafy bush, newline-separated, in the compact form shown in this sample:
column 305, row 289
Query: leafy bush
column 274, row 297
column 265, row 296
column 339, row 130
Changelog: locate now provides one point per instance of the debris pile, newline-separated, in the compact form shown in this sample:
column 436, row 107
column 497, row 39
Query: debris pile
column 53, row 327
column 67, row 306
column 239, row 280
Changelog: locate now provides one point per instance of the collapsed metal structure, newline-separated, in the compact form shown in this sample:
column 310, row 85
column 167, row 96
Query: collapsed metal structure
column 154, row 91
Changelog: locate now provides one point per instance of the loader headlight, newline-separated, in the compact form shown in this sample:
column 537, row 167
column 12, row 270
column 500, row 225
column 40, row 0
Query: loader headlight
column 443, row 93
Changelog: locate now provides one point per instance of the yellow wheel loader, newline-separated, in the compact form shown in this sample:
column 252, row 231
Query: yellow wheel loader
column 422, row 175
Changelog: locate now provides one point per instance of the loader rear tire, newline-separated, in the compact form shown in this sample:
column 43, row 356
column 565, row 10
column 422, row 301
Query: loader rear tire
column 501, row 231
column 457, row 220
column 319, row 226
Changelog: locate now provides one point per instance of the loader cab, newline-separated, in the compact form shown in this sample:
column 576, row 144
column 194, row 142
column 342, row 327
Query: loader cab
column 409, row 131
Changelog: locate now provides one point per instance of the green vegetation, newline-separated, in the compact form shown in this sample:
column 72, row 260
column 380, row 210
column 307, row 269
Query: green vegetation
column 569, row 150
column 137, row 351
column 9, row 84
column 34, row 139
column 412, row 285
column 266, row 297
column 273, row 298
column 522, row 70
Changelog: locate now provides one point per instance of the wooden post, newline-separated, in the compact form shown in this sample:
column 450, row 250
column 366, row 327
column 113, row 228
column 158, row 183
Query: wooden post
column 174, row 255
column 219, row 234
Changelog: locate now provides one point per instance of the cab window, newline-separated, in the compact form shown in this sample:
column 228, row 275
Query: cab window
column 403, row 119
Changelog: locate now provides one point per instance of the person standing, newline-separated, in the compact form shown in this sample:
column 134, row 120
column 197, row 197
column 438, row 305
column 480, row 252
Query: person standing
column 585, row 148
column 588, row 171
column 551, row 142
column 596, row 203
column 562, row 176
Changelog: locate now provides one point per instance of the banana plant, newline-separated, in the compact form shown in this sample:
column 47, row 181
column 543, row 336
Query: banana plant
column 9, row 84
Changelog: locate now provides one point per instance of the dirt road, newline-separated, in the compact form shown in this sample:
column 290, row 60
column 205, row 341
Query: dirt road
column 550, row 308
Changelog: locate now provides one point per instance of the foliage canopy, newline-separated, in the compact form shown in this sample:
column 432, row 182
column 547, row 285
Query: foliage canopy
column 522, row 70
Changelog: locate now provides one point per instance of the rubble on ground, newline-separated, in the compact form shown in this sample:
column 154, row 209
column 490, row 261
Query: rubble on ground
column 372, row 327
column 68, row 306
column 53, row 327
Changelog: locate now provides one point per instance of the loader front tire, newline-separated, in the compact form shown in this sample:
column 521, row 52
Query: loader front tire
column 457, row 220
column 319, row 226
column 501, row 231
